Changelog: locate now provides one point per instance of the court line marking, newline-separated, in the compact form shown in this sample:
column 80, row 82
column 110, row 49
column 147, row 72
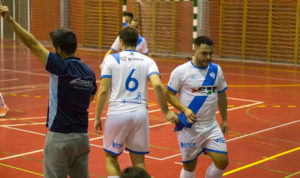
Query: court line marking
column 253, row 133
column 8, row 80
column 24, row 72
column 22, row 154
column 265, row 77
column 264, row 130
column 293, row 174
column 261, row 161
column 24, row 118
column 166, row 123
column 37, row 151
column 157, row 125
column 20, row 169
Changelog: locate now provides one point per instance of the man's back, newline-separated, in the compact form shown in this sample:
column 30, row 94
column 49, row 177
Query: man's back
column 71, row 85
column 129, row 71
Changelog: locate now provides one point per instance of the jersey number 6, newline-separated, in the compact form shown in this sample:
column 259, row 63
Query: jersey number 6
column 130, row 79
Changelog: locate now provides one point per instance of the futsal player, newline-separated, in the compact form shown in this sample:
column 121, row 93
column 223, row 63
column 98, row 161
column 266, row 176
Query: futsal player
column 141, row 45
column 124, row 78
column 128, row 18
column 201, row 87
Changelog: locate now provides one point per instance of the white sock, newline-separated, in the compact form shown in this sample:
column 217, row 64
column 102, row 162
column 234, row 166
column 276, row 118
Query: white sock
column 187, row 174
column 213, row 172
column 2, row 103
column 113, row 176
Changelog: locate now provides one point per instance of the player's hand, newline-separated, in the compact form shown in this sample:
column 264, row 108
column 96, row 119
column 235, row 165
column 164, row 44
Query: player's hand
column 224, row 127
column 190, row 116
column 172, row 117
column 98, row 125
column 4, row 11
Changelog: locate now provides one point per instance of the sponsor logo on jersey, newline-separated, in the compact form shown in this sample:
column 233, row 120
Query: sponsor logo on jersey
column 205, row 90
column 136, row 100
column 220, row 140
column 82, row 84
column 187, row 145
column 117, row 145
column 135, row 59
column 193, row 76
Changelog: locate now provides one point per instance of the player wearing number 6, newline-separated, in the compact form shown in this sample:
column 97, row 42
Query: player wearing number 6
column 124, row 75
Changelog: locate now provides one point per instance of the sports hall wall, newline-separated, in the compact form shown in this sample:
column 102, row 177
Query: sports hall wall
column 260, row 30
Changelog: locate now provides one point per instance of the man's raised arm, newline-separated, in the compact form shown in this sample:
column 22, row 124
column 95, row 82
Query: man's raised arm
column 27, row 38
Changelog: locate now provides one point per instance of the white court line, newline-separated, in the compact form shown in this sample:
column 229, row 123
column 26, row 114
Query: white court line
column 264, row 130
column 28, row 90
column 22, row 130
column 243, row 106
column 151, row 157
column 8, row 80
column 16, row 125
column 254, row 76
column 241, row 99
column 230, row 109
column 22, row 154
column 24, row 72
column 36, row 151
column 25, row 118
column 253, row 133
column 27, row 86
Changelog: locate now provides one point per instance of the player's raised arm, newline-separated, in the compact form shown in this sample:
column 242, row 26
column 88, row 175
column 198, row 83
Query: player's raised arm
column 27, row 38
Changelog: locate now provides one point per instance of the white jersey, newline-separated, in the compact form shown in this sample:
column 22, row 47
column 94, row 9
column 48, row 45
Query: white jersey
column 140, row 47
column 129, row 71
column 198, row 88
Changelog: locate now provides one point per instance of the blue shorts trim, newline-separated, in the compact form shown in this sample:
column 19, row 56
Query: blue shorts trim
column 136, row 152
column 223, row 90
column 171, row 89
column 115, row 154
column 105, row 76
column 216, row 151
column 194, row 158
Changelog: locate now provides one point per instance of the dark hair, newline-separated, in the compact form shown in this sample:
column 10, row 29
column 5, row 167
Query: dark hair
column 134, row 172
column 65, row 39
column 129, row 35
column 203, row 40
column 129, row 14
column 135, row 20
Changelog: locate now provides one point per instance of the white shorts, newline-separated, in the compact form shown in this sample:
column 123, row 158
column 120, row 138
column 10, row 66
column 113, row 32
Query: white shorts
column 130, row 128
column 201, row 137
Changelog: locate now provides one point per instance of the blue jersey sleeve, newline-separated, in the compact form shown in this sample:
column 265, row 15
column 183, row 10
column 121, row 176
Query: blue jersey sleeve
column 54, row 63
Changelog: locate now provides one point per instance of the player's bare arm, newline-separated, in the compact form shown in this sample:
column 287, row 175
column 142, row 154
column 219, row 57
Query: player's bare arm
column 28, row 39
column 101, row 101
column 173, row 99
column 162, row 100
column 222, row 104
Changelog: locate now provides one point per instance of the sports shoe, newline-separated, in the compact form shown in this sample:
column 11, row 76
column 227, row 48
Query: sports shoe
column 3, row 111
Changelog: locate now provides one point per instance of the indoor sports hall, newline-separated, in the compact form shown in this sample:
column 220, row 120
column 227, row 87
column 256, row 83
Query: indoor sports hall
column 256, row 42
